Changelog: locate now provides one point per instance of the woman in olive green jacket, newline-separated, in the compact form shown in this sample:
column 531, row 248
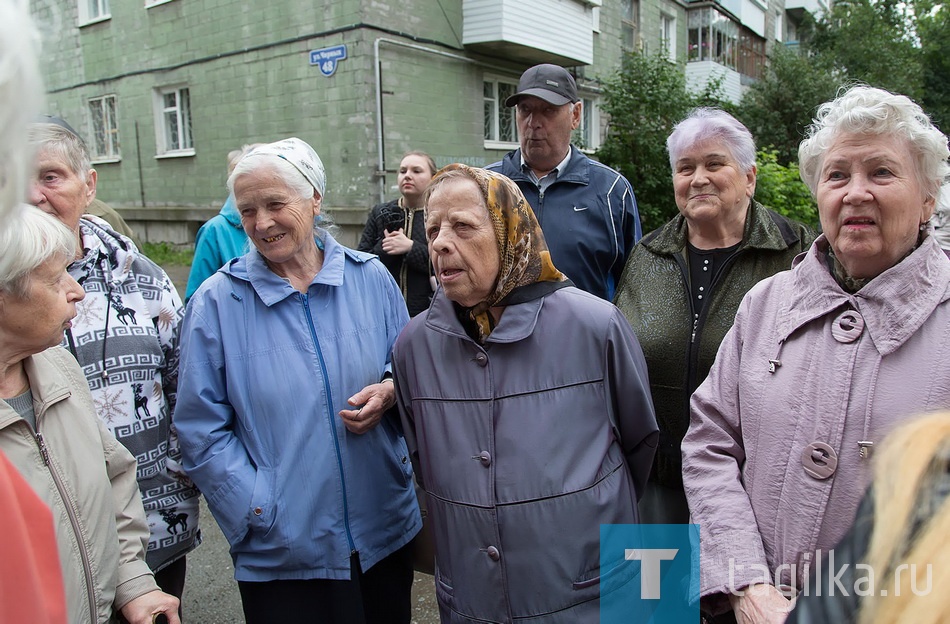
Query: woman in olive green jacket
column 682, row 284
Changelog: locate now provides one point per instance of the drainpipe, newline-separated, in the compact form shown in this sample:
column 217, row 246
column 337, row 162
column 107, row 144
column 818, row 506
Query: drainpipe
column 380, row 152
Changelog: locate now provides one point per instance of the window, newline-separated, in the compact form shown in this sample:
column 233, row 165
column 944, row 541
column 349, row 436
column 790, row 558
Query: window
column 668, row 35
column 712, row 37
column 91, row 11
column 499, row 119
column 105, row 129
column 173, row 122
column 587, row 135
column 629, row 25
column 752, row 57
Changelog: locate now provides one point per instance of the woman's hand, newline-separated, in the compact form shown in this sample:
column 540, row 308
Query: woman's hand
column 396, row 243
column 147, row 607
column 760, row 604
column 375, row 399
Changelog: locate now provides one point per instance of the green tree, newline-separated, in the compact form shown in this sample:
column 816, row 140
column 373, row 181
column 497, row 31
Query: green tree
column 933, row 30
column 780, row 188
column 645, row 99
column 778, row 107
column 871, row 41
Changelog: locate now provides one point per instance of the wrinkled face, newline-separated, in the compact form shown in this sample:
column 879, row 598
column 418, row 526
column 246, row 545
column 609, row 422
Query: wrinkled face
column 414, row 176
column 277, row 220
column 870, row 202
column 709, row 185
column 58, row 191
column 37, row 322
column 462, row 242
column 545, row 130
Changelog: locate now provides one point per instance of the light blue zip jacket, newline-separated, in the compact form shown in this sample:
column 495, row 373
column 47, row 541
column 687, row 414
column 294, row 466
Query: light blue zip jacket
column 265, row 371
column 218, row 241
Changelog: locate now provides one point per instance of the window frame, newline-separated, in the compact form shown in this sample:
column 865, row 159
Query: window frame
column 588, row 133
column 668, row 35
column 113, row 152
column 495, row 102
column 162, row 148
column 103, row 12
column 631, row 26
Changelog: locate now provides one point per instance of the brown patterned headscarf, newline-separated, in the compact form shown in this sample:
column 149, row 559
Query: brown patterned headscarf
column 524, row 256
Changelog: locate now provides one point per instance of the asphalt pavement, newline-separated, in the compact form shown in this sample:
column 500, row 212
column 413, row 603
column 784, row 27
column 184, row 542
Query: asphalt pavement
column 211, row 594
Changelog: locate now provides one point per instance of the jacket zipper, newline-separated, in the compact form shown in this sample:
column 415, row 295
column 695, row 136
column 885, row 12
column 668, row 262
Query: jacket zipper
column 86, row 567
column 336, row 441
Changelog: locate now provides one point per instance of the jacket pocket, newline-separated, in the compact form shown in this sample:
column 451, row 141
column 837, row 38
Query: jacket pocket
column 263, row 509
column 397, row 453
column 609, row 578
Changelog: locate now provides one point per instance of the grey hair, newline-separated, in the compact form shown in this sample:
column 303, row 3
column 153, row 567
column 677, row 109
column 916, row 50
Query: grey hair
column 31, row 238
column 875, row 112
column 712, row 124
column 47, row 137
column 21, row 95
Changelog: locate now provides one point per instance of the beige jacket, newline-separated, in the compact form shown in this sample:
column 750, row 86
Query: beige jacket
column 88, row 479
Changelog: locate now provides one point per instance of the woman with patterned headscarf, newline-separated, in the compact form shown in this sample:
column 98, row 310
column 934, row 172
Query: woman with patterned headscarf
column 284, row 408
column 527, row 410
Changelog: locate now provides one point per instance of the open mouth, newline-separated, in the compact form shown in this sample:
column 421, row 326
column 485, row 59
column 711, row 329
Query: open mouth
column 858, row 221
column 273, row 239
column 448, row 274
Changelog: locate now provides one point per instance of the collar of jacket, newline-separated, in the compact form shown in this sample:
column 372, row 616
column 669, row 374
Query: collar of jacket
column 517, row 322
column 46, row 384
column 760, row 232
column 230, row 213
column 893, row 305
column 576, row 172
column 272, row 288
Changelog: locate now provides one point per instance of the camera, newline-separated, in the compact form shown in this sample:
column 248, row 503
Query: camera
column 393, row 218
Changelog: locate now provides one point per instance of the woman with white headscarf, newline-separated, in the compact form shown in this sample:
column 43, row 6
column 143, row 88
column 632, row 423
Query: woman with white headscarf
column 282, row 408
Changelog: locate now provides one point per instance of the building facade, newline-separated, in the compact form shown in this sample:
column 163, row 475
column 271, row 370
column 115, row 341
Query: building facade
column 162, row 90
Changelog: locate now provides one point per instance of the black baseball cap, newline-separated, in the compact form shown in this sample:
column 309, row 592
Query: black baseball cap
column 551, row 83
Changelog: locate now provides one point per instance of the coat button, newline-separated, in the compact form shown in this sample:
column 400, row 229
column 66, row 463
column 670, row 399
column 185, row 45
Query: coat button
column 493, row 553
column 848, row 327
column 819, row 460
column 258, row 511
column 484, row 457
column 481, row 359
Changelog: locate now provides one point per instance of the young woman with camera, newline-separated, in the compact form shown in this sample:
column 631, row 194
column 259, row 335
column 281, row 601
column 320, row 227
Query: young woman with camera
column 395, row 231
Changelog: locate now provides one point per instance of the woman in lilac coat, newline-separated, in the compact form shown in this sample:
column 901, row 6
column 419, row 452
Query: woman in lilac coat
column 823, row 360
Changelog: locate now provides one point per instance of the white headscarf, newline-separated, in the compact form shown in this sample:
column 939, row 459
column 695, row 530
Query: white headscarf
column 301, row 156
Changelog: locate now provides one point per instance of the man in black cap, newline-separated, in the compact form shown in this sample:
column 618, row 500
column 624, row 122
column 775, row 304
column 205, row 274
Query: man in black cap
column 588, row 211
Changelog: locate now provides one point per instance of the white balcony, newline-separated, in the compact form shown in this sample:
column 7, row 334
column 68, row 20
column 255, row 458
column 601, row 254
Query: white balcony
column 531, row 31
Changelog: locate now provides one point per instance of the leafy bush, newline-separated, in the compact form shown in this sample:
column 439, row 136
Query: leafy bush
column 780, row 188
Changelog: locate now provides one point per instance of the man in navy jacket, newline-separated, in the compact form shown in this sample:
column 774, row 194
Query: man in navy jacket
column 587, row 211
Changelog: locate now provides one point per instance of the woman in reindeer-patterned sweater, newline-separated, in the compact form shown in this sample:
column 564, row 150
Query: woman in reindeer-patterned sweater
column 125, row 337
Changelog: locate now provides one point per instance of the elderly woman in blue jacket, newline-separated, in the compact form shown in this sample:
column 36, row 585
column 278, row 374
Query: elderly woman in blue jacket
column 285, row 385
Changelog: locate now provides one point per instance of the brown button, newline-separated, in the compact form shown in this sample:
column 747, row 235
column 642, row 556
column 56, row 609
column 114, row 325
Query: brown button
column 819, row 460
column 493, row 553
column 481, row 359
column 258, row 511
column 848, row 327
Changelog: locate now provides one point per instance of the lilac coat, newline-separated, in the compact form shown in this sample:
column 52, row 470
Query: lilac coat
column 848, row 368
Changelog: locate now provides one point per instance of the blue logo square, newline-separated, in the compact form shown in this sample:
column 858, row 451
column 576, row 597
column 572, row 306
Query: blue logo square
column 649, row 573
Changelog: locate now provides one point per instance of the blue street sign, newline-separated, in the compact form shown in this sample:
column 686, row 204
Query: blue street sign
column 327, row 58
